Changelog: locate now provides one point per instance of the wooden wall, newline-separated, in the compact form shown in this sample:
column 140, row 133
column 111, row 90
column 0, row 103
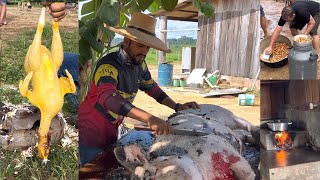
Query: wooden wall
column 304, row 91
column 229, row 41
column 276, row 95
column 273, row 97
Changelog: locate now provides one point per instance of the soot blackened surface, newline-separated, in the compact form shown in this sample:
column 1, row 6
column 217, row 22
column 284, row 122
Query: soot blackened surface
column 199, row 151
column 252, row 155
column 168, row 151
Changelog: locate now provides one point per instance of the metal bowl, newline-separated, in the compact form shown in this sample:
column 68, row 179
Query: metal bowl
column 278, row 126
column 302, row 44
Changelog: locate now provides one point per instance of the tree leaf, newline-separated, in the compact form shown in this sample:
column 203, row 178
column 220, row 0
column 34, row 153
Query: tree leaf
column 108, row 32
column 132, row 7
column 89, row 32
column 169, row 5
column 207, row 9
column 204, row 7
column 124, row 19
column 108, row 12
column 85, row 53
column 88, row 8
column 144, row 4
column 154, row 6
column 88, row 17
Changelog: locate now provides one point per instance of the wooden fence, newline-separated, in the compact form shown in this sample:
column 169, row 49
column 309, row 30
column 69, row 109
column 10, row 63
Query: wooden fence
column 229, row 42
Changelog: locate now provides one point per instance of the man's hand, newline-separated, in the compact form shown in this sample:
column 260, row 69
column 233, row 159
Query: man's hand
column 188, row 105
column 57, row 10
column 268, row 50
column 159, row 126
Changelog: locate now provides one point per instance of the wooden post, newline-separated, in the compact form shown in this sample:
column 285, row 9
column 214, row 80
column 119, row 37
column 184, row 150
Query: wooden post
column 163, row 38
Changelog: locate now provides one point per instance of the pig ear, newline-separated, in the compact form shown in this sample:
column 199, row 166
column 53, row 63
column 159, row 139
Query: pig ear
column 131, row 156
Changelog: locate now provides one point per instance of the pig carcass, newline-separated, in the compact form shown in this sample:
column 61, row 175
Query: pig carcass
column 215, row 156
column 240, row 127
column 216, row 113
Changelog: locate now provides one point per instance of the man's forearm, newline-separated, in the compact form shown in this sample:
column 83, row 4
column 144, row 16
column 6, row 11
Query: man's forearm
column 169, row 102
column 309, row 28
column 140, row 115
column 310, row 25
column 275, row 35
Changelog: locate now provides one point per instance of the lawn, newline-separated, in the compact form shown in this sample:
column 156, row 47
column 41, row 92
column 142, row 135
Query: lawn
column 175, row 56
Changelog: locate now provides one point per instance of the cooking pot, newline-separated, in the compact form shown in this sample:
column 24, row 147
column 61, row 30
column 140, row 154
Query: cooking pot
column 265, row 43
column 278, row 126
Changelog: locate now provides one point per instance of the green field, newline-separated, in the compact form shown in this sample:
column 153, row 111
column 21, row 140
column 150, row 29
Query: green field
column 175, row 55
column 175, row 45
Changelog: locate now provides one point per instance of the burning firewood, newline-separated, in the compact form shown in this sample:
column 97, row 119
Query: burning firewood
column 283, row 140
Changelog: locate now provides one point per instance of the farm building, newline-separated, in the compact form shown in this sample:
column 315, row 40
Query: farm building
column 228, row 42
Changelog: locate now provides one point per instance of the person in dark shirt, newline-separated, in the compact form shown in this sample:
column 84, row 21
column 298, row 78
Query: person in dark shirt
column 299, row 14
column 116, row 80
column 263, row 22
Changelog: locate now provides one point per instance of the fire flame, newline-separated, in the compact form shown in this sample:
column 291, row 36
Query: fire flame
column 281, row 158
column 283, row 139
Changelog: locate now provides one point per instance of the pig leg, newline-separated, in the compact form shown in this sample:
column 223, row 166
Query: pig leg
column 243, row 124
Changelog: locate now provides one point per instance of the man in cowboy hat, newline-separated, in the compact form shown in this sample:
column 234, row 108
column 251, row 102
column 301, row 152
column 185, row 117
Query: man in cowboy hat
column 116, row 80
column 299, row 14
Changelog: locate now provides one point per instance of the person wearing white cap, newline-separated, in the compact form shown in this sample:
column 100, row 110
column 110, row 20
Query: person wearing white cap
column 116, row 80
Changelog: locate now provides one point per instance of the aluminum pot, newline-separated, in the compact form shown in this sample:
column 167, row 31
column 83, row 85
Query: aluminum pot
column 278, row 126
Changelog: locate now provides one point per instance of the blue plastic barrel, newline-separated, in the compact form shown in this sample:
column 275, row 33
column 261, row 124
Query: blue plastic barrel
column 165, row 72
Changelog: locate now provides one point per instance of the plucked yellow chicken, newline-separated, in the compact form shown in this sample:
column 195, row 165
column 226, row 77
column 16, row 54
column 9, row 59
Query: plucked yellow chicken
column 48, row 90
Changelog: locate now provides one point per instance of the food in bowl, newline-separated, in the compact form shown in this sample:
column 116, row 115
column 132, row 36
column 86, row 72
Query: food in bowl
column 280, row 51
column 303, row 39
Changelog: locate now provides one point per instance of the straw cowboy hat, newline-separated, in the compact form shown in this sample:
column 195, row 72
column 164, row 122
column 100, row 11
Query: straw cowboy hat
column 141, row 28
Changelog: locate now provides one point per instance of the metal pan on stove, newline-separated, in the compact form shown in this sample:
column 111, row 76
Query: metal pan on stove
column 278, row 126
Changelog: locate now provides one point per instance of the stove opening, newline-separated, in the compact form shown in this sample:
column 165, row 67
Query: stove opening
column 283, row 140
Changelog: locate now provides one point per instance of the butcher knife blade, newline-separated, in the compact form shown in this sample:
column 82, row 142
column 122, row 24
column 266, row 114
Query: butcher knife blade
column 175, row 131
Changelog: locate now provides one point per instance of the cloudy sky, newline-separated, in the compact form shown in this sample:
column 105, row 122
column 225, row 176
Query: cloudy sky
column 179, row 25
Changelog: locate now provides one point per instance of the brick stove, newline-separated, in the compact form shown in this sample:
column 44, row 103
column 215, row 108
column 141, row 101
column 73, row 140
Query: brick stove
column 268, row 141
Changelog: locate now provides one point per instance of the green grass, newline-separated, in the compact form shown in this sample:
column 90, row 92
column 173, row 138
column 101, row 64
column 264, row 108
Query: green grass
column 175, row 55
column 12, row 96
column 63, row 164
column 13, row 54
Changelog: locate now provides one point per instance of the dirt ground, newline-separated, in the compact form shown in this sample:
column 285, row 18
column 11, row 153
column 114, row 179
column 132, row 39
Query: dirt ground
column 272, row 11
column 19, row 21
column 24, row 20
column 143, row 101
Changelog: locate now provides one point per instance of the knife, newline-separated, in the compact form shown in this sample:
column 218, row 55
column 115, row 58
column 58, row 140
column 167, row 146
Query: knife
column 175, row 131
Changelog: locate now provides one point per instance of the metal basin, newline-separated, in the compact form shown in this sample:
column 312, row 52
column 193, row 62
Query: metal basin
column 278, row 126
column 302, row 44
column 265, row 43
